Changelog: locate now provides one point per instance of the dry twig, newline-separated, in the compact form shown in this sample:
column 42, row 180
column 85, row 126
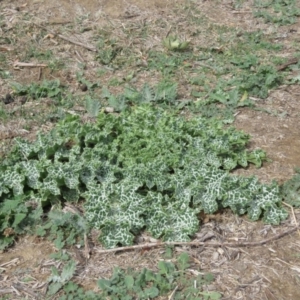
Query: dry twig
column 241, row 12
column 25, row 290
column 171, row 297
column 6, row 291
column 11, row 262
column 87, row 249
column 291, row 61
column 293, row 214
column 28, row 65
column 91, row 48
column 5, row 48
column 204, row 244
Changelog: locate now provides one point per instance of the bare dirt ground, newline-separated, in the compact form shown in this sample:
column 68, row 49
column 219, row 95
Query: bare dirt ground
column 269, row 271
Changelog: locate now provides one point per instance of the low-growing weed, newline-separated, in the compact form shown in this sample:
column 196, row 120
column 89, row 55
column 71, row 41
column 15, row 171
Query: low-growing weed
column 261, row 81
column 4, row 74
column 92, row 106
column 16, row 217
column 282, row 12
column 101, row 72
column 146, row 284
column 59, row 279
column 64, row 229
column 81, row 79
column 163, row 92
column 72, row 291
column 115, row 82
column 166, row 63
column 173, row 43
column 291, row 190
column 121, row 165
column 51, row 89
column 32, row 51
column 170, row 279
column 41, row 55
column 107, row 51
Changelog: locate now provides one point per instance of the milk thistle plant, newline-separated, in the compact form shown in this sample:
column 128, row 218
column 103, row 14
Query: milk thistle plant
column 144, row 169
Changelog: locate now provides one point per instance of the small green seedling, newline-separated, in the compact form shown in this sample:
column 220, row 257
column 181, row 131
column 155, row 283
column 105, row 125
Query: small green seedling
column 173, row 43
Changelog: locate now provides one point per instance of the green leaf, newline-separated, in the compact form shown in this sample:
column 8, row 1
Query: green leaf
column 147, row 94
column 9, row 206
column 40, row 231
column 129, row 282
column 290, row 190
column 55, row 277
column 71, row 287
column 149, row 275
column 68, row 271
column 165, row 268
column 59, row 241
column 54, row 287
column 168, row 252
column 92, row 106
column 5, row 241
column 173, row 43
column 18, row 219
column 151, row 292
column 104, row 284
column 211, row 295
column 183, row 261
column 208, row 277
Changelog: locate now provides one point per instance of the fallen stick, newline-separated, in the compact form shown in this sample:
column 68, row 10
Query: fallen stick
column 293, row 214
column 291, row 61
column 91, row 48
column 28, row 65
column 204, row 244
column 4, row 48
column 25, row 289
column 241, row 12
column 6, row 291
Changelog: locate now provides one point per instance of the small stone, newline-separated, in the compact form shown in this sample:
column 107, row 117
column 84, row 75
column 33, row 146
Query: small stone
column 83, row 87
column 8, row 99
column 215, row 256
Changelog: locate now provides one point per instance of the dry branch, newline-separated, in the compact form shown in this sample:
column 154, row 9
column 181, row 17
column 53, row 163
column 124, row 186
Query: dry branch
column 293, row 214
column 6, row 291
column 25, row 290
column 204, row 244
column 4, row 48
column 28, row 65
column 91, row 48
column 291, row 61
